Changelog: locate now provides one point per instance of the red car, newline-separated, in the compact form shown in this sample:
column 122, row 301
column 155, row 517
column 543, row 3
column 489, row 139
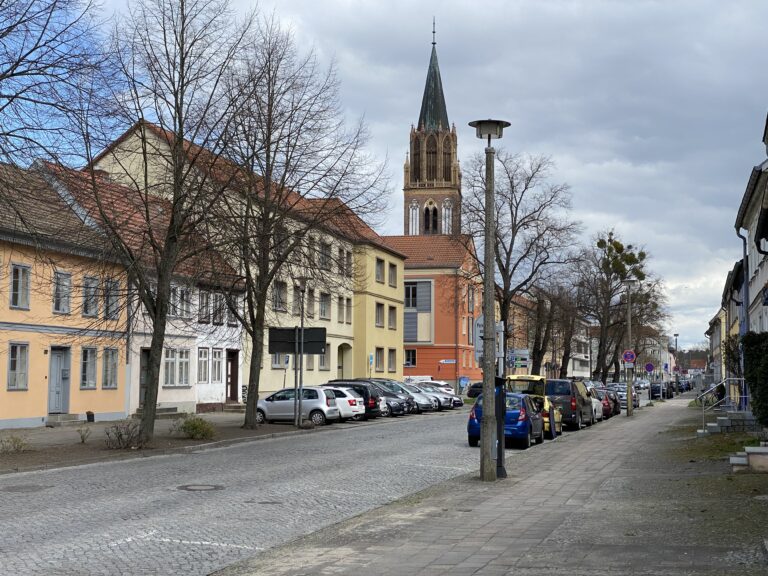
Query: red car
column 605, row 400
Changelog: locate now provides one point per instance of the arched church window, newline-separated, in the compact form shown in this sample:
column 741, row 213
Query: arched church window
column 431, row 158
column 447, row 216
column 434, row 221
column 413, row 219
column 416, row 160
column 447, row 159
column 427, row 221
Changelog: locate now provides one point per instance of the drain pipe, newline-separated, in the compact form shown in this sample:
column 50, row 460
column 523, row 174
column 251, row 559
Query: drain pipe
column 745, row 271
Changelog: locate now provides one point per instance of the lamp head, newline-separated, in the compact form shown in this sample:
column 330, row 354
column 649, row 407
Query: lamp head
column 488, row 129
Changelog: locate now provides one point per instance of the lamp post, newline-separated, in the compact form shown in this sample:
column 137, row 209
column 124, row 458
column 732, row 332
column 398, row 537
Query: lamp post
column 299, row 356
column 630, row 372
column 677, row 358
column 490, row 437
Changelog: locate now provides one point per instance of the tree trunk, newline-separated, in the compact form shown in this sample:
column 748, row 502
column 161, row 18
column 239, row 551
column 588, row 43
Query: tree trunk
column 254, row 376
column 567, row 337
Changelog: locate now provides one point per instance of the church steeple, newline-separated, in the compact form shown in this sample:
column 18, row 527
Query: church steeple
column 432, row 178
column 433, row 115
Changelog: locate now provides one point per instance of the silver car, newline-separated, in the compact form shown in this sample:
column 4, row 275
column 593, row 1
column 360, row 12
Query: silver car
column 317, row 405
column 445, row 401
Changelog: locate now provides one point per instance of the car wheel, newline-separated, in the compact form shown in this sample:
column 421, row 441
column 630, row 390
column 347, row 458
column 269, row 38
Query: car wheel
column 526, row 442
column 261, row 418
column 317, row 418
column 552, row 429
column 385, row 411
column 473, row 441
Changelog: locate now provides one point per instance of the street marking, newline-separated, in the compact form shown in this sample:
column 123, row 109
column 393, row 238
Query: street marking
column 130, row 539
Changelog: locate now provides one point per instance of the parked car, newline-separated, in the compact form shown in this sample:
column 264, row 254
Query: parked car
column 367, row 390
column 614, row 401
column 445, row 401
column 574, row 402
column 397, row 388
column 390, row 404
column 474, row 390
column 350, row 403
column 318, row 405
column 424, row 402
column 605, row 401
column 597, row 405
column 523, row 423
column 535, row 387
column 441, row 385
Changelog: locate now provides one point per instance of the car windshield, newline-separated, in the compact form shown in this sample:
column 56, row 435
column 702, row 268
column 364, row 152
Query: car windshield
column 558, row 388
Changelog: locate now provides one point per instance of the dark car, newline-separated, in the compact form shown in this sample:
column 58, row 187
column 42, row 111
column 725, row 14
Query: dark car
column 614, row 401
column 474, row 390
column 397, row 404
column 574, row 402
column 396, row 388
column 523, row 423
column 367, row 390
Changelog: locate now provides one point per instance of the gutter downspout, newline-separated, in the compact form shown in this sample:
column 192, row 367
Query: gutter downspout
column 745, row 292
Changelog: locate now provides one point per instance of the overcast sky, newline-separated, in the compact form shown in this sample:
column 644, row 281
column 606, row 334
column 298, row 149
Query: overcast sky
column 653, row 111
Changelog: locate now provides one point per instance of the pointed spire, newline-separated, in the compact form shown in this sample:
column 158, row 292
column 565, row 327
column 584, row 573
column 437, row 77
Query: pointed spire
column 433, row 113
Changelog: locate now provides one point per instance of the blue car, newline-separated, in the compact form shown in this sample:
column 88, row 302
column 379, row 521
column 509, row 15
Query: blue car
column 523, row 423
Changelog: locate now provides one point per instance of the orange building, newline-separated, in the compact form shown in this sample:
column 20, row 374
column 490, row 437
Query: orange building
column 443, row 297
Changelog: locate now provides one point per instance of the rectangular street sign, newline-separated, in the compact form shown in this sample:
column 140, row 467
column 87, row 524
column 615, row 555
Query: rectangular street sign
column 283, row 340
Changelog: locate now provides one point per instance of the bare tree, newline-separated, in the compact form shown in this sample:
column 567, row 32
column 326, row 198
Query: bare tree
column 300, row 170
column 534, row 230
column 171, row 59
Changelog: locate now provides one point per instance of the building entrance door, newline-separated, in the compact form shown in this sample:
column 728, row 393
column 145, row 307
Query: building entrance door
column 58, row 381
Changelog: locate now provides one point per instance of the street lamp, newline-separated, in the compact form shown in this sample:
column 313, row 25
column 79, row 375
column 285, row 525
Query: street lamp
column 677, row 359
column 298, row 362
column 489, row 432
column 630, row 372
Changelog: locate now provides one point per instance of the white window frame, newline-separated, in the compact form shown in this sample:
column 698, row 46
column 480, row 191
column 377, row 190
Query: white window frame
column 309, row 362
column 392, row 275
column 203, row 365
column 88, row 365
column 325, row 297
column 392, row 360
column 392, row 318
column 109, row 368
column 340, row 311
column 323, row 362
column 379, row 270
column 217, row 365
column 169, row 367
column 204, row 307
column 409, row 352
column 111, row 299
column 21, row 275
column 217, row 310
column 90, row 296
column 182, row 365
column 349, row 311
column 62, row 292
column 18, row 375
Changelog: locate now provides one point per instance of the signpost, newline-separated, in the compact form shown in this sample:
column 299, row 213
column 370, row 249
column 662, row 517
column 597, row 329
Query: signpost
column 629, row 356
column 479, row 331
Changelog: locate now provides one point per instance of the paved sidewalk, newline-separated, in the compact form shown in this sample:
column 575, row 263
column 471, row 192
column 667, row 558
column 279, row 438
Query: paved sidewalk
column 620, row 498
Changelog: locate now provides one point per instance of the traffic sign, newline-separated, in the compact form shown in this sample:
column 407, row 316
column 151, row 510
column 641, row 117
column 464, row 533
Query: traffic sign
column 649, row 367
column 629, row 356
column 480, row 330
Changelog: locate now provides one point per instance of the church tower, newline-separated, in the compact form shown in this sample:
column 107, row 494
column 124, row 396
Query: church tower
column 432, row 179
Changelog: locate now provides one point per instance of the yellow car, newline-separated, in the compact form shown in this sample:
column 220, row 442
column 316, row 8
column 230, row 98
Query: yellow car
column 535, row 387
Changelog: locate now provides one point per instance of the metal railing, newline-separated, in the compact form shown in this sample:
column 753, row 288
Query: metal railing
column 735, row 398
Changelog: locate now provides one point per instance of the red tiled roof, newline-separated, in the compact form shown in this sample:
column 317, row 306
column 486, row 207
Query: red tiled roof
column 139, row 220
column 438, row 251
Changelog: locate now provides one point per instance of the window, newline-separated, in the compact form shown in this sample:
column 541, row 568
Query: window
column 280, row 296
column 392, row 360
column 379, row 360
column 20, row 286
column 90, row 296
column 325, row 256
column 88, row 368
column 218, row 308
column 348, row 266
column 309, row 361
column 379, row 270
column 379, row 315
column 109, row 375
column 447, row 159
column 169, row 367
column 323, row 363
column 392, row 318
column 349, row 310
column 18, row 362
column 296, row 305
column 202, row 365
column 342, row 261
column 204, row 307
column 231, row 316
column 410, row 295
column 471, row 299
column 180, row 302
column 393, row 275
column 340, row 309
column 280, row 360
column 310, row 309
column 183, row 366
column 217, row 364
column 325, row 306
column 413, row 218
column 112, row 301
column 62, row 287
column 447, row 216
column 410, row 357
column 431, row 158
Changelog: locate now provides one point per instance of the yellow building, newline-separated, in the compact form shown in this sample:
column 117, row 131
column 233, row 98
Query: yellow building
column 378, row 310
column 62, row 323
